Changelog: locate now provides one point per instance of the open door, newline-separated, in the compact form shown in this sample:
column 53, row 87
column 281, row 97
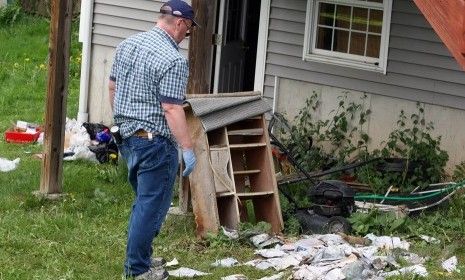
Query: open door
column 236, row 45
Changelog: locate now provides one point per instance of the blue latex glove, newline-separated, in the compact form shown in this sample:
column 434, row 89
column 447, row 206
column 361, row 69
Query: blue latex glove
column 189, row 161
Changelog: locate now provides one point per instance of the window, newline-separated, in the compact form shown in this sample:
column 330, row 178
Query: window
column 352, row 33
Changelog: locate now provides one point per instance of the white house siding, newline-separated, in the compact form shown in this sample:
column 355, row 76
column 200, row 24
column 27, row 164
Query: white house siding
column 420, row 68
column 113, row 21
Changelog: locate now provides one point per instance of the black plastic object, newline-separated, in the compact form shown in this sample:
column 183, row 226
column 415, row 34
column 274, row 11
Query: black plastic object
column 396, row 165
column 332, row 198
column 94, row 128
column 312, row 223
column 106, row 150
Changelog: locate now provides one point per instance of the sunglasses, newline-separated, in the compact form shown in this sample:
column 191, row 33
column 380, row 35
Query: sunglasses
column 189, row 27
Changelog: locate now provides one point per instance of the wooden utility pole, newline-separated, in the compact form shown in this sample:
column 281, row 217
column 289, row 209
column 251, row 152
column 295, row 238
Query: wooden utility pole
column 200, row 47
column 57, row 92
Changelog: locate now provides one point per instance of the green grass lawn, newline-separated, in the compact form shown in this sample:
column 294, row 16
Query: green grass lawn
column 83, row 235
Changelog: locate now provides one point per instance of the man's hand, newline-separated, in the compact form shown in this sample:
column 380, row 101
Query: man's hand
column 189, row 161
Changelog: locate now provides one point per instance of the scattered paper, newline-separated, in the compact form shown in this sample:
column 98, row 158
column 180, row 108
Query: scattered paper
column 265, row 240
column 450, row 265
column 186, row 272
column 174, row 262
column 235, row 277
column 417, row 269
column 274, row 277
column 270, row 253
column 388, row 242
column 430, row 239
column 8, row 165
column 228, row 262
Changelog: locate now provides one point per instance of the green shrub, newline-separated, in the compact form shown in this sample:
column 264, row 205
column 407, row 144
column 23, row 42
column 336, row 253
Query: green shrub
column 339, row 139
column 9, row 14
column 412, row 141
column 378, row 223
column 459, row 172
column 321, row 144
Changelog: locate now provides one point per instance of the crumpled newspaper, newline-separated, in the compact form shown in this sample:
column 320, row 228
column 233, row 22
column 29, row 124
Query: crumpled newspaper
column 235, row 277
column 417, row 269
column 8, row 165
column 185, row 272
column 388, row 242
column 450, row 265
column 228, row 262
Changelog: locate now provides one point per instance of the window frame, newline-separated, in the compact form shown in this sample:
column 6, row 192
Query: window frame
column 310, row 53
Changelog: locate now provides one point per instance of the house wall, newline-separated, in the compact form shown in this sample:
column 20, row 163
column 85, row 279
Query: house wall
column 420, row 68
column 113, row 21
column 384, row 115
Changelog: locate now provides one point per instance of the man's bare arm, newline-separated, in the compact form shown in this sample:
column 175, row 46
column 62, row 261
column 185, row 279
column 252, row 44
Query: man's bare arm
column 176, row 119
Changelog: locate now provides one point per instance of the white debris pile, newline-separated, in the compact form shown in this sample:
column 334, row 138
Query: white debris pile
column 330, row 256
column 8, row 165
column 77, row 142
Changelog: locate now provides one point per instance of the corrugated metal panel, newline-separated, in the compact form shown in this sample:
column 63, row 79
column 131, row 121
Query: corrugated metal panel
column 218, row 111
column 420, row 68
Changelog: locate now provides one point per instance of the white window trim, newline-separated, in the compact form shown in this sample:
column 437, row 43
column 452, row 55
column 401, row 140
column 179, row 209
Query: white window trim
column 334, row 58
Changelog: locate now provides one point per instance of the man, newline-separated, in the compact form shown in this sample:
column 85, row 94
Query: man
column 147, row 88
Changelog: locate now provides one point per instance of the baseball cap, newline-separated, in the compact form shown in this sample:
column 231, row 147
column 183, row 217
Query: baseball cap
column 179, row 8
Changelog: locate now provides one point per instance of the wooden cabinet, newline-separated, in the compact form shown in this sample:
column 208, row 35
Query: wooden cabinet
column 244, row 186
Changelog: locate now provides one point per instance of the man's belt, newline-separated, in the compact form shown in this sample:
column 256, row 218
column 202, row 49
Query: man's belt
column 145, row 134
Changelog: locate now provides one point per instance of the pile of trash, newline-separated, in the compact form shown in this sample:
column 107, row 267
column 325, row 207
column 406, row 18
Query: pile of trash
column 329, row 257
column 89, row 141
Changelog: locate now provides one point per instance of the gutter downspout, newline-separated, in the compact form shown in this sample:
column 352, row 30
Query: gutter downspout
column 85, row 37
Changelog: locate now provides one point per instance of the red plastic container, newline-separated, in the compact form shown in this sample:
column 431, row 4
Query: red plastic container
column 21, row 137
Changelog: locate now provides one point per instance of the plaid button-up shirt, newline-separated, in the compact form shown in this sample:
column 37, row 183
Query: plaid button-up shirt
column 148, row 70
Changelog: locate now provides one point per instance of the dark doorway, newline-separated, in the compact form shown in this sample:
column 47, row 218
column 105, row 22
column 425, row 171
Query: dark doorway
column 235, row 57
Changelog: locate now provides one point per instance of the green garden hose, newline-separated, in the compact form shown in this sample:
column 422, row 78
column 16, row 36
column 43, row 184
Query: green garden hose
column 452, row 187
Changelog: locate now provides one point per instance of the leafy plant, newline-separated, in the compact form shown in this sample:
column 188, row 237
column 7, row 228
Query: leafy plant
column 9, row 14
column 459, row 172
column 322, row 144
column 411, row 141
column 378, row 223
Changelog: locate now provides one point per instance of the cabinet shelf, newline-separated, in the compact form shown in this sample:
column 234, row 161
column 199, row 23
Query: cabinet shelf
column 247, row 146
column 248, row 195
column 218, row 148
column 235, row 168
column 224, row 194
column 246, row 172
column 245, row 195
column 246, row 132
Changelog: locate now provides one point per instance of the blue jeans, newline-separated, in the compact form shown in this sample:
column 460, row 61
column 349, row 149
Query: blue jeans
column 152, row 167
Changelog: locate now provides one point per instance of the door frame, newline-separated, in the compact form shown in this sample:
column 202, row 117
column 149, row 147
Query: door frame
column 259, row 80
column 217, row 59
column 262, row 43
